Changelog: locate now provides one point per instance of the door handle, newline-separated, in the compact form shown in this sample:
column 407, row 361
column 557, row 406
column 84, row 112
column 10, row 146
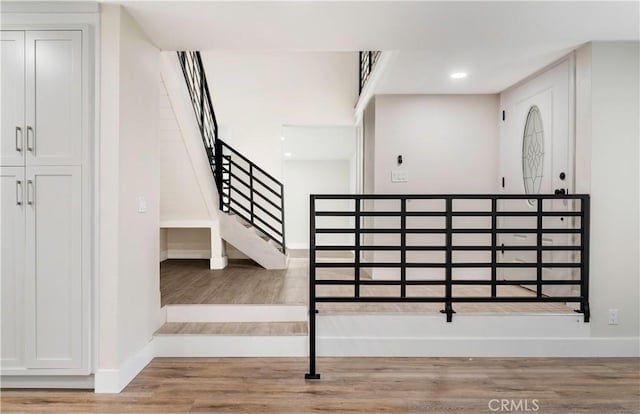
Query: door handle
column 18, row 139
column 30, row 192
column 18, row 192
column 560, row 191
column 31, row 137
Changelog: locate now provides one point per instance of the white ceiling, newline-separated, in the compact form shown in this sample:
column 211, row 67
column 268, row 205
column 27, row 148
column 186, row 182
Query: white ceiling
column 498, row 43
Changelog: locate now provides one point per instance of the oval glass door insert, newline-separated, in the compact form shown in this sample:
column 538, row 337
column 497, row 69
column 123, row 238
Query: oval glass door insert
column 533, row 152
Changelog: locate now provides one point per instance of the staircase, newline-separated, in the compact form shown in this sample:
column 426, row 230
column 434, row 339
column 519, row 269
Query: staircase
column 251, row 201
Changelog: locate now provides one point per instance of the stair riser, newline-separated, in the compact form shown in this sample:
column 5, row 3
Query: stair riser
column 236, row 313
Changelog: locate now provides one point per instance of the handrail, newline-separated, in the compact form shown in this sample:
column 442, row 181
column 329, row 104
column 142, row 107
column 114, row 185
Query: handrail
column 266, row 215
column 554, row 214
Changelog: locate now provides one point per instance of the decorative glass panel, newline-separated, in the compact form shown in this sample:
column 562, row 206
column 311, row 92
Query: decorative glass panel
column 533, row 152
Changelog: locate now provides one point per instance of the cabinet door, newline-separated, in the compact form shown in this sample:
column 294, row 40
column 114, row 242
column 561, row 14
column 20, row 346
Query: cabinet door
column 12, row 92
column 53, row 134
column 53, row 268
column 12, row 216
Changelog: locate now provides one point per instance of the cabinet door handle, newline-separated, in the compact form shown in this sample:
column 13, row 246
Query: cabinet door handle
column 18, row 192
column 18, row 139
column 30, row 192
column 31, row 137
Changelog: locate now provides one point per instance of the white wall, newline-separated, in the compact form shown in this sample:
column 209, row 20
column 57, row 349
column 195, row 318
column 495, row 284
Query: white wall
column 302, row 178
column 129, row 303
column 255, row 93
column 615, row 272
column 448, row 143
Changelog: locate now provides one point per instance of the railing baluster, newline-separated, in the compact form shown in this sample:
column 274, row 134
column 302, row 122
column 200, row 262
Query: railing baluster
column 539, row 249
column 494, row 245
column 403, row 247
column 251, row 191
column 356, row 243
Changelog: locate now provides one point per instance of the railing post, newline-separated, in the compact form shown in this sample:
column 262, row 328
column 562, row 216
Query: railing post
column 219, row 170
column 312, row 374
column 251, row 190
column 494, row 245
column 448, row 305
column 284, row 243
column 356, row 244
column 539, row 249
column 585, row 218
column 403, row 247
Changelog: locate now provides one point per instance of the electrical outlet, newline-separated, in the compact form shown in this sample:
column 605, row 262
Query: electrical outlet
column 613, row 316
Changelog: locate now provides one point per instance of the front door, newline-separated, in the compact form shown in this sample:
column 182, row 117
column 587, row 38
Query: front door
column 536, row 147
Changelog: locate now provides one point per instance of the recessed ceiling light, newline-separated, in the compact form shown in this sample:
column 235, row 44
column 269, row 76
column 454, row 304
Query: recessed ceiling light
column 282, row 138
column 458, row 75
column 287, row 154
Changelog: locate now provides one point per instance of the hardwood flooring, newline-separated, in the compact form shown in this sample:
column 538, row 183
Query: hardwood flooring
column 234, row 328
column 356, row 385
column 244, row 282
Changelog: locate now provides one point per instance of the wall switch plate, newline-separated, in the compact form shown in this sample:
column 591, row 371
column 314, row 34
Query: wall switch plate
column 613, row 316
column 399, row 176
column 142, row 205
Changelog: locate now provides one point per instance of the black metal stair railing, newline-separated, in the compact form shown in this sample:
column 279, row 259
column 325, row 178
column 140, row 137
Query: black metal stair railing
column 425, row 245
column 243, row 187
column 368, row 60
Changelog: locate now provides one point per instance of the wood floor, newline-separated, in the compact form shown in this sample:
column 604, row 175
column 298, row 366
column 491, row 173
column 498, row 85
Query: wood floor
column 244, row 282
column 356, row 385
column 234, row 328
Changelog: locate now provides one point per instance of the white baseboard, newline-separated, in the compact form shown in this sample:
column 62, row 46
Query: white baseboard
column 230, row 346
column 236, row 313
column 112, row 381
column 188, row 254
column 478, row 347
column 164, row 255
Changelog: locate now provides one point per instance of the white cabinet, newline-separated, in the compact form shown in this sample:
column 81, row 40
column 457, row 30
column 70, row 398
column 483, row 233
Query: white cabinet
column 12, row 263
column 12, row 92
column 42, row 117
column 53, row 314
column 45, row 272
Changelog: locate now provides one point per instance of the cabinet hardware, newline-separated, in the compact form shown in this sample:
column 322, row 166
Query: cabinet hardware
column 18, row 192
column 18, row 139
column 31, row 137
column 30, row 192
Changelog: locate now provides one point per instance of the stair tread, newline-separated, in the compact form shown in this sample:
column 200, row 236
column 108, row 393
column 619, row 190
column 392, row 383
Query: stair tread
column 234, row 328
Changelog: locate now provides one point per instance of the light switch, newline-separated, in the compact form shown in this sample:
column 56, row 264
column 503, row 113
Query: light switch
column 399, row 176
column 142, row 204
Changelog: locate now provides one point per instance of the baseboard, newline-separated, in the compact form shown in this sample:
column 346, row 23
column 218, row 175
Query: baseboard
column 164, row 255
column 479, row 347
column 298, row 246
column 188, row 254
column 112, row 381
column 48, row 381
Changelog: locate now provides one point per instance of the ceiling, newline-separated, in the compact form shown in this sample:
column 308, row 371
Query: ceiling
column 497, row 43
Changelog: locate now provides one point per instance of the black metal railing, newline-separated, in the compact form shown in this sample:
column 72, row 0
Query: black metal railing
column 252, row 193
column 244, row 188
column 368, row 60
column 418, row 242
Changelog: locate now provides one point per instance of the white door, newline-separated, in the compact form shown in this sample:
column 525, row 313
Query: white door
column 53, row 134
column 536, row 146
column 12, row 92
column 12, row 187
column 54, row 267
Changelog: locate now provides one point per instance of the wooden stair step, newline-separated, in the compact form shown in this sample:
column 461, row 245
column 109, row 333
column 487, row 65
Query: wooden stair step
column 234, row 328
